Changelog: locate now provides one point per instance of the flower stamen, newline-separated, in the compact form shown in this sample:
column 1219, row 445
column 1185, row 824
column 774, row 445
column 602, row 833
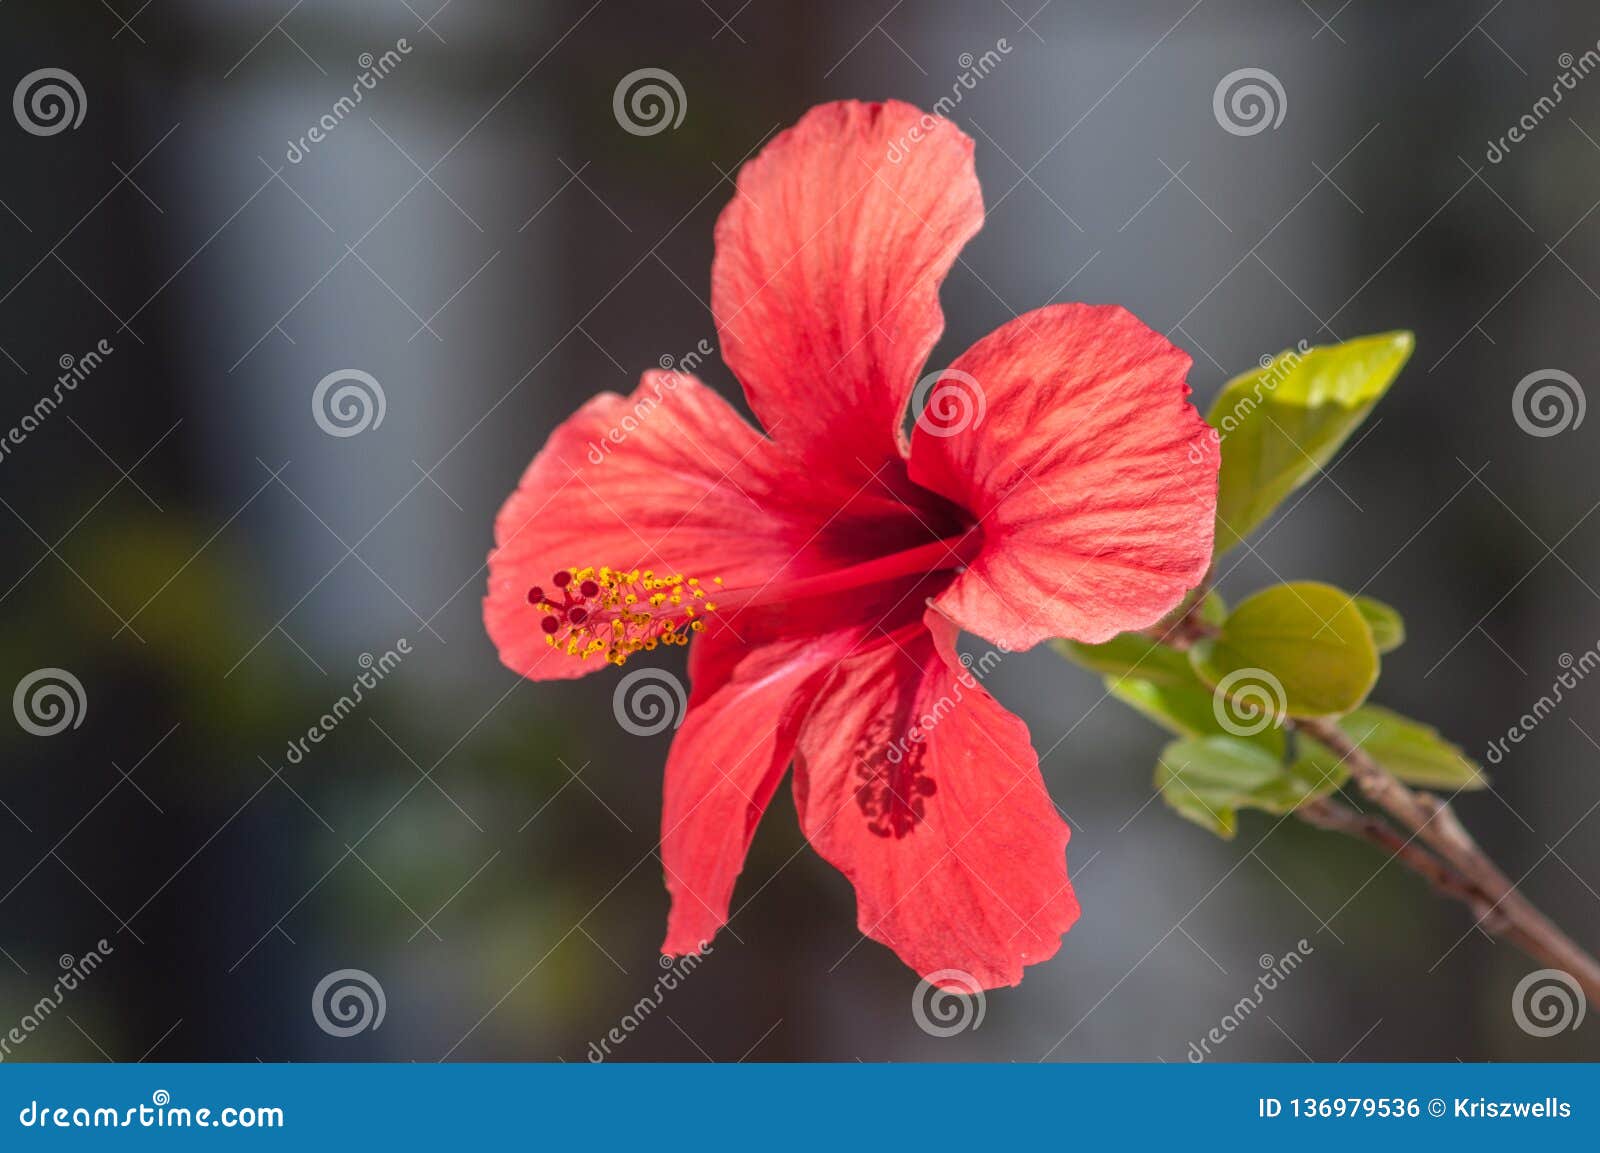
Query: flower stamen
column 617, row 613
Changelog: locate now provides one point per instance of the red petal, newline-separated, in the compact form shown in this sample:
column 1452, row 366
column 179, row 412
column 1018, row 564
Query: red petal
column 726, row 762
column 826, row 279
column 1092, row 477
column 669, row 478
column 954, row 847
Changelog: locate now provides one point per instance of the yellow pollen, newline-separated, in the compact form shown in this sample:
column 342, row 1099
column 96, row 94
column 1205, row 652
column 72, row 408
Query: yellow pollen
column 617, row 612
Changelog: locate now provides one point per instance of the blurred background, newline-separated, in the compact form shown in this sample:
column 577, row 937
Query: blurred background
column 485, row 240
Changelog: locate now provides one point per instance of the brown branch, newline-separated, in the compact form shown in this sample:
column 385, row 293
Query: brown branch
column 1497, row 903
column 1334, row 816
column 1439, row 848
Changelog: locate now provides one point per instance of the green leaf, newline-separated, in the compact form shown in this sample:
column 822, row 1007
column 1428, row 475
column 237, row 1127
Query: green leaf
column 1303, row 649
column 1208, row 780
column 1388, row 627
column 1281, row 423
column 1187, row 710
column 1129, row 654
column 1411, row 750
column 1140, row 656
column 1212, row 609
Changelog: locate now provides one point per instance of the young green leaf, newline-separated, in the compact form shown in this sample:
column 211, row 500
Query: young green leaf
column 1209, row 779
column 1411, row 750
column 1129, row 655
column 1301, row 649
column 1388, row 627
column 1141, row 656
column 1211, row 610
column 1189, row 710
column 1281, row 423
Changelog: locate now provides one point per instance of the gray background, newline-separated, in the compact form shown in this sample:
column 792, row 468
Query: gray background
column 485, row 240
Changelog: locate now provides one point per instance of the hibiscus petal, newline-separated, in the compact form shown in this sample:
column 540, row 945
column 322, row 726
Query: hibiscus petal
column 825, row 285
column 926, row 794
column 670, row 478
column 725, row 764
column 1067, row 434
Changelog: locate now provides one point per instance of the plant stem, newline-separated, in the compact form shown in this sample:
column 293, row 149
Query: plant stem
column 1456, row 866
column 1496, row 902
column 1328, row 813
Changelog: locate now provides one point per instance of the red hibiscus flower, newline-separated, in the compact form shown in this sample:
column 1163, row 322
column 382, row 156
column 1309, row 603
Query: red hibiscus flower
column 1057, row 483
